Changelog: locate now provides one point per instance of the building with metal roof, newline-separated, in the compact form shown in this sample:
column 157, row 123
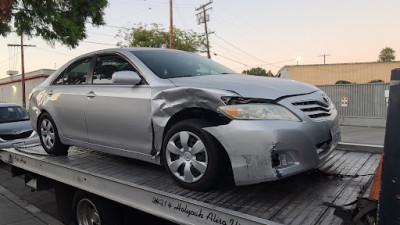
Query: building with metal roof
column 325, row 74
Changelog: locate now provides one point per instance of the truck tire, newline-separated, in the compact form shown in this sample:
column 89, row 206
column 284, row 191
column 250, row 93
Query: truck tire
column 64, row 197
column 49, row 138
column 191, row 155
column 90, row 209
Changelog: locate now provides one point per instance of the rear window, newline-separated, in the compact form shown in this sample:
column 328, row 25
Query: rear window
column 171, row 64
column 13, row 114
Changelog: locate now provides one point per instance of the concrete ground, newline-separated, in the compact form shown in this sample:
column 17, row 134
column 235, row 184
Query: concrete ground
column 363, row 135
column 19, row 206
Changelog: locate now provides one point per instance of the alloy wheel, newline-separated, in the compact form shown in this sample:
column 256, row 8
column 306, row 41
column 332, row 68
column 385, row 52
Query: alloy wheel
column 47, row 133
column 86, row 213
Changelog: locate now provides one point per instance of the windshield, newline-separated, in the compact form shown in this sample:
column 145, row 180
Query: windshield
column 13, row 114
column 170, row 64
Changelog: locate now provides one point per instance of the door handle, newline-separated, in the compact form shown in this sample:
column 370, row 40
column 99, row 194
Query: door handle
column 50, row 93
column 90, row 94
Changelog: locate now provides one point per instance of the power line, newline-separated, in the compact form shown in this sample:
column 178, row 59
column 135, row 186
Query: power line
column 265, row 63
column 226, row 50
column 12, row 54
column 232, row 52
column 239, row 48
column 98, row 43
column 242, row 20
column 259, row 65
column 229, row 59
column 234, row 29
column 116, row 27
column 273, row 63
column 110, row 35
column 54, row 52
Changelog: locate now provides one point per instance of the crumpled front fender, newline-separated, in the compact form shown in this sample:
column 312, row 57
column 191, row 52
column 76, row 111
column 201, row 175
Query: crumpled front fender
column 250, row 145
column 249, row 154
column 170, row 101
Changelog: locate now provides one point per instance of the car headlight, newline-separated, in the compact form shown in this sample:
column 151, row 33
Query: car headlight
column 265, row 111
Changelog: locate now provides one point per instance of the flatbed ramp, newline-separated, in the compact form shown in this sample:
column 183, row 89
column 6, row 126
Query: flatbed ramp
column 294, row 200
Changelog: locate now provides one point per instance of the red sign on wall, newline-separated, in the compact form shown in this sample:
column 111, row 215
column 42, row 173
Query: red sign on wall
column 345, row 101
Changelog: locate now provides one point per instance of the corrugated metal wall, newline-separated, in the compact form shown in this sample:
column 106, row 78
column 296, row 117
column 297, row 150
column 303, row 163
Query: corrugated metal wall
column 326, row 74
column 366, row 103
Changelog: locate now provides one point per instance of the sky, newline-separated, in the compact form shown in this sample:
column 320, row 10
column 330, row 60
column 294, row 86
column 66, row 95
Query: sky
column 246, row 34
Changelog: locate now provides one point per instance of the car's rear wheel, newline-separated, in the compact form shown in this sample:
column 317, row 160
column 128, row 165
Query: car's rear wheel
column 49, row 138
column 191, row 155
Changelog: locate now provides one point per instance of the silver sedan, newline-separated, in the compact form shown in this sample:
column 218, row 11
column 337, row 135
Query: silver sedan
column 196, row 117
column 15, row 128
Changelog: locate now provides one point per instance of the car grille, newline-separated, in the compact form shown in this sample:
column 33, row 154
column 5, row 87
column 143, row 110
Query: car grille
column 314, row 109
column 9, row 137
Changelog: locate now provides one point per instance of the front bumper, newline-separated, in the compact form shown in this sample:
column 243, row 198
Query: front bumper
column 31, row 140
column 262, row 150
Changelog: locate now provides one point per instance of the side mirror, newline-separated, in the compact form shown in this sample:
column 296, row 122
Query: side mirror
column 126, row 77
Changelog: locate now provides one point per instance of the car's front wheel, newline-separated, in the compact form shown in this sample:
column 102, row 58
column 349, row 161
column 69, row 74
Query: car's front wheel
column 49, row 138
column 191, row 155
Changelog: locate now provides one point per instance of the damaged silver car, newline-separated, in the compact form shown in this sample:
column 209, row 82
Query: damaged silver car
column 195, row 116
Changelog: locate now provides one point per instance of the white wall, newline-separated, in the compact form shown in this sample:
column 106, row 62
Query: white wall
column 11, row 87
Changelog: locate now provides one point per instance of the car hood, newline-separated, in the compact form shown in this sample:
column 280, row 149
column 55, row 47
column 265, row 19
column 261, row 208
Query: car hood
column 15, row 127
column 247, row 86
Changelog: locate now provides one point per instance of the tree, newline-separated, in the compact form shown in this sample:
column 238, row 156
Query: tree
column 270, row 74
column 156, row 36
column 258, row 72
column 387, row 55
column 53, row 20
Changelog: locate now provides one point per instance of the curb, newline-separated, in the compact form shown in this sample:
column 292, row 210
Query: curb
column 354, row 147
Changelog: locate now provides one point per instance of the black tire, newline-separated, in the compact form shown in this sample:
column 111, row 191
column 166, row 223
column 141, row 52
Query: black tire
column 64, row 197
column 193, row 178
column 51, row 143
column 93, row 210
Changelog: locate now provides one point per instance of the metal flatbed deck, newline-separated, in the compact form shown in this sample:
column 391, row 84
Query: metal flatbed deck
column 294, row 200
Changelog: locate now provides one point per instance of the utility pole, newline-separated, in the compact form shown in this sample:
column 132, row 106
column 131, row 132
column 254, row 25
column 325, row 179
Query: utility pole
column 23, row 67
column 171, row 26
column 324, row 56
column 203, row 19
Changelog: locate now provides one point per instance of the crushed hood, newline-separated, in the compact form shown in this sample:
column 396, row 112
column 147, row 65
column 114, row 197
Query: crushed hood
column 247, row 86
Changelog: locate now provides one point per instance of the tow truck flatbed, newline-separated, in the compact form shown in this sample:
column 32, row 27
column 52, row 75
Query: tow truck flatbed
column 149, row 188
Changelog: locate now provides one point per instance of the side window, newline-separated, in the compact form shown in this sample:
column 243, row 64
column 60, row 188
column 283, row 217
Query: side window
column 75, row 73
column 59, row 80
column 106, row 65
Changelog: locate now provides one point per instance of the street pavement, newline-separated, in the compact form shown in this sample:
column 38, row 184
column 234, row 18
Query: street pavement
column 363, row 135
column 19, row 206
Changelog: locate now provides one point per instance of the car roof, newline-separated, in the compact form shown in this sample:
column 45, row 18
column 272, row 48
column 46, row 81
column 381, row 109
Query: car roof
column 124, row 51
column 7, row 104
column 133, row 49
column 144, row 49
